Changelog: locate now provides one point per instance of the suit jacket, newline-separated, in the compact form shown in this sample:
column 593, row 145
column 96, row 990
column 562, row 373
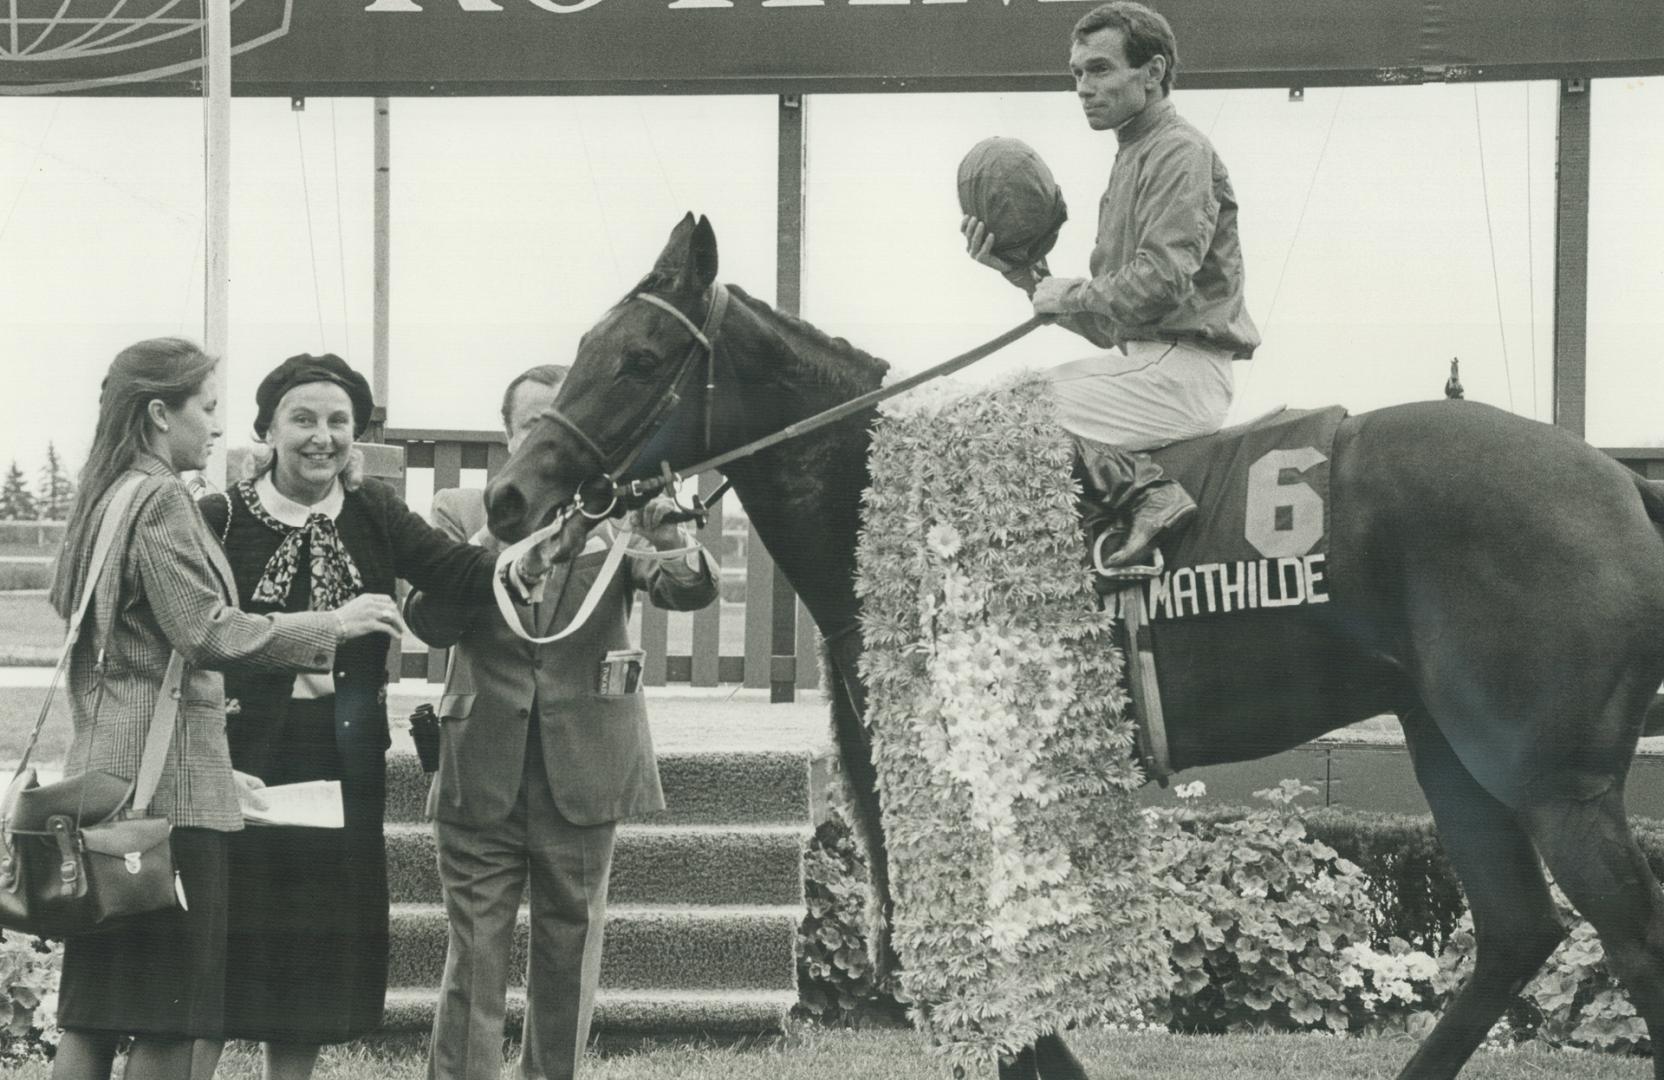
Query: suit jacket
column 167, row 588
column 597, row 751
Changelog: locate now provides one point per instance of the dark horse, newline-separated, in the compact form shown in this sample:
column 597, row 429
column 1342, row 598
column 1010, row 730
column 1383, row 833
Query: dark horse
column 1494, row 581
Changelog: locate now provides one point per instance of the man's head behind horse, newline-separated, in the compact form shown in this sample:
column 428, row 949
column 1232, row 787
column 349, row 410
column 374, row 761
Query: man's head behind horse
column 618, row 405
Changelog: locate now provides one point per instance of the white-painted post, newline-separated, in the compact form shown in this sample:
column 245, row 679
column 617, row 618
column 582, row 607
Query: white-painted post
column 380, row 372
column 216, row 292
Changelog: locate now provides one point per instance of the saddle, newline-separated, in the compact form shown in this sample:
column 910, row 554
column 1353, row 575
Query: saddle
column 1257, row 543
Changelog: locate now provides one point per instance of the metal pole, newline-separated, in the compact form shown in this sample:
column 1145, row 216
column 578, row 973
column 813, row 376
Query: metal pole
column 1571, row 256
column 216, row 291
column 383, row 256
column 788, row 272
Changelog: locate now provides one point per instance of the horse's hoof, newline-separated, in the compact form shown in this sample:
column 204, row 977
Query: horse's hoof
column 1054, row 1061
column 1022, row 1067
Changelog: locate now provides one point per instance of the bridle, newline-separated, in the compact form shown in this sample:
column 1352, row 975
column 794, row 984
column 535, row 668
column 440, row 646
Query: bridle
column 607, row 485
column 637, row 492
column 613, row 466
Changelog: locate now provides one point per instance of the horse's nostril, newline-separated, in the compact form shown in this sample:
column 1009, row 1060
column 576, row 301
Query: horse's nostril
column 505, row 507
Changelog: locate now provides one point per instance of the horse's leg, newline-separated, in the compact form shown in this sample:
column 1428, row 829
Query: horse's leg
column 1596, row 862
column 1053, row 1060
column 854, row 741
column 1514, row 921
column 1021, row 1067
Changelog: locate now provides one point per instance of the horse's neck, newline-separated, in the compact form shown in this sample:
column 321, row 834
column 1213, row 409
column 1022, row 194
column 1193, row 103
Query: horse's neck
column 803, row 496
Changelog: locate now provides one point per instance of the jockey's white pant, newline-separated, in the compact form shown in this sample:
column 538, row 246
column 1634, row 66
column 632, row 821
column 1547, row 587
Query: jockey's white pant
column 1155, row 393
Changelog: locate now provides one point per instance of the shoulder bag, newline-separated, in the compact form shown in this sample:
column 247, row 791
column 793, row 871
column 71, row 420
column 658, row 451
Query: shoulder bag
column 78, row 853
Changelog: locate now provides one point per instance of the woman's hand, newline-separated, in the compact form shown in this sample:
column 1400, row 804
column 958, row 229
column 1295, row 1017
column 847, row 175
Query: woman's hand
column 248, row 791
column 369, row 613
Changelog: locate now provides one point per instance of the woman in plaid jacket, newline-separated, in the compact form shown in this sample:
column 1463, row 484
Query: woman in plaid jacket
column 159, row 977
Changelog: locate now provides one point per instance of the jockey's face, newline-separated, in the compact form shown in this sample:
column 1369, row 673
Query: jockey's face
column 1112, row 91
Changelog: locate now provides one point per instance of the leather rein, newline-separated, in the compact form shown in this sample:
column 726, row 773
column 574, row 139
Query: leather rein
column 704, row 344
column 637, row 492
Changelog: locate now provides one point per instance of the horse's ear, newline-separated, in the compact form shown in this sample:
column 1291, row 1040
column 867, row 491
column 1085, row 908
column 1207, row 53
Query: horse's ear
column 701, row 265
column 675, row 253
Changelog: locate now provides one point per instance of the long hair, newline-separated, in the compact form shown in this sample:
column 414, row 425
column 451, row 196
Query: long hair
column 170, row 370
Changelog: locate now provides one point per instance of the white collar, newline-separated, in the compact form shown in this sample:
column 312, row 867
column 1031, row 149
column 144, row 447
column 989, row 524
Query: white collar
column 292, row 513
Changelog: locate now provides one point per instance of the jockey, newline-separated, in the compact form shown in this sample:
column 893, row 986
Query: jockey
column 1166, row 292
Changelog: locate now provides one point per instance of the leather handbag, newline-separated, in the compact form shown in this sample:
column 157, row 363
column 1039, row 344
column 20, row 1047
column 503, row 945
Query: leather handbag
column 81, row 852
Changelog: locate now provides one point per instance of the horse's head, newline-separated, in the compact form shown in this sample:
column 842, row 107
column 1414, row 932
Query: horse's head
column 632, row 398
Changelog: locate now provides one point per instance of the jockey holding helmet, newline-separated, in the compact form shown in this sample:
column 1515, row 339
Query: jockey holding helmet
column 1166, row 293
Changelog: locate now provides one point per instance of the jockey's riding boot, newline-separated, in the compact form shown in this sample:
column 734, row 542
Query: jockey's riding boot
column 1118, row 484
column 1162, row 507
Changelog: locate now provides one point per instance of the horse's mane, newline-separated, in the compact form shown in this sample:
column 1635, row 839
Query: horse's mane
column 831, row 359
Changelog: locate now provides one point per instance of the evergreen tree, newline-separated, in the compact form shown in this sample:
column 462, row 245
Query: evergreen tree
column 55, row 491
column 17, row 503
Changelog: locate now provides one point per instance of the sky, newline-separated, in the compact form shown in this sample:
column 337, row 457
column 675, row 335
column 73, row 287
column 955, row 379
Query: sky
column 1385, row 231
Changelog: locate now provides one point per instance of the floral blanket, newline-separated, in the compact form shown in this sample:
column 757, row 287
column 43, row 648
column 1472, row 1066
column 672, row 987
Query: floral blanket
column 1019, row 860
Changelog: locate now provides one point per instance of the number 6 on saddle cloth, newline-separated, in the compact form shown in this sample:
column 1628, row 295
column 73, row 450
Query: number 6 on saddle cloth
column 1252, row 565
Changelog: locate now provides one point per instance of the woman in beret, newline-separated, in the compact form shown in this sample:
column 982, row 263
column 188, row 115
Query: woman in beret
column 306, row 531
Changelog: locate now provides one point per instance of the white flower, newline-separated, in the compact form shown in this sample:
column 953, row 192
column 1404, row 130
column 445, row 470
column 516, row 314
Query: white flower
column 1193, row 790
column 943, row 540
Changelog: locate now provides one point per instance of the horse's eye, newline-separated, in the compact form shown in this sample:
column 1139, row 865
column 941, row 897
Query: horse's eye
column 640, row 362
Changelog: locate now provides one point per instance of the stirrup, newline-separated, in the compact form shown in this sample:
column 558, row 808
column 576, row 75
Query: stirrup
column 1124, row 575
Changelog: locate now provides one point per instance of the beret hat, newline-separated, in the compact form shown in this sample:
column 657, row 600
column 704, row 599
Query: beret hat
column 305, row 368
column 1004, row 184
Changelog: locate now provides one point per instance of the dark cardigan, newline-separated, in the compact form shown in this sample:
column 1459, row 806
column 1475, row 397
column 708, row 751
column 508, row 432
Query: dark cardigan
column 387, row 541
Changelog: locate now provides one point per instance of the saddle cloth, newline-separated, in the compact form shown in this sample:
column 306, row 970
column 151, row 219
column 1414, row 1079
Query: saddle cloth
column 1240, row 581
column 1260, row 536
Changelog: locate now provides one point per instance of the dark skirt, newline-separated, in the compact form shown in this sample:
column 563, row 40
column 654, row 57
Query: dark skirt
column 307, row 937
column 160, row 973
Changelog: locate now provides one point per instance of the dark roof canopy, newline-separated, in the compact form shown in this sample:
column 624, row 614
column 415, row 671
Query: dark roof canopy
column 420, row 47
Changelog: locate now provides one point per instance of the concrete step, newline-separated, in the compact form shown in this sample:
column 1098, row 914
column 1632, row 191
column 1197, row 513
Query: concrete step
column 747, row 947
column 652, row 864
column 718, row 787
column 629, row 1012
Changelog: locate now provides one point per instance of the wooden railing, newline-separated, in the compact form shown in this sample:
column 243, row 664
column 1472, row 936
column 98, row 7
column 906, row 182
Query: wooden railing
column 1646, row 460
column 757, row 634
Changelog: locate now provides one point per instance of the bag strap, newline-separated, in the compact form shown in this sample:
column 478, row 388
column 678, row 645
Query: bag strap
column 160, row 736
column 115, row 512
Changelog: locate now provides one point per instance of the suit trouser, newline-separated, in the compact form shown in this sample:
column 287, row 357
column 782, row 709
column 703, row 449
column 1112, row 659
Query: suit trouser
column 484, row 871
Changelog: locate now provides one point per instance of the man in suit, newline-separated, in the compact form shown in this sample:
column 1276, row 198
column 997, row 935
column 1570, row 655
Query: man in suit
column 538, row 762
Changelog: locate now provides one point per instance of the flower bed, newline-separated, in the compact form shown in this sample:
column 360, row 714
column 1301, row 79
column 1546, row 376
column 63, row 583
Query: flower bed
column 1283, row 919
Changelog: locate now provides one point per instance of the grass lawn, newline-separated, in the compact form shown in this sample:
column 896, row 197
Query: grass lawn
column 18, row 709
column 27, row 619
column 813, row 1054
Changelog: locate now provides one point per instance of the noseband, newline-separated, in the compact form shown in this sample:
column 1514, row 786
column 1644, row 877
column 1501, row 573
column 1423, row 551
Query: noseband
column 613, row 466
